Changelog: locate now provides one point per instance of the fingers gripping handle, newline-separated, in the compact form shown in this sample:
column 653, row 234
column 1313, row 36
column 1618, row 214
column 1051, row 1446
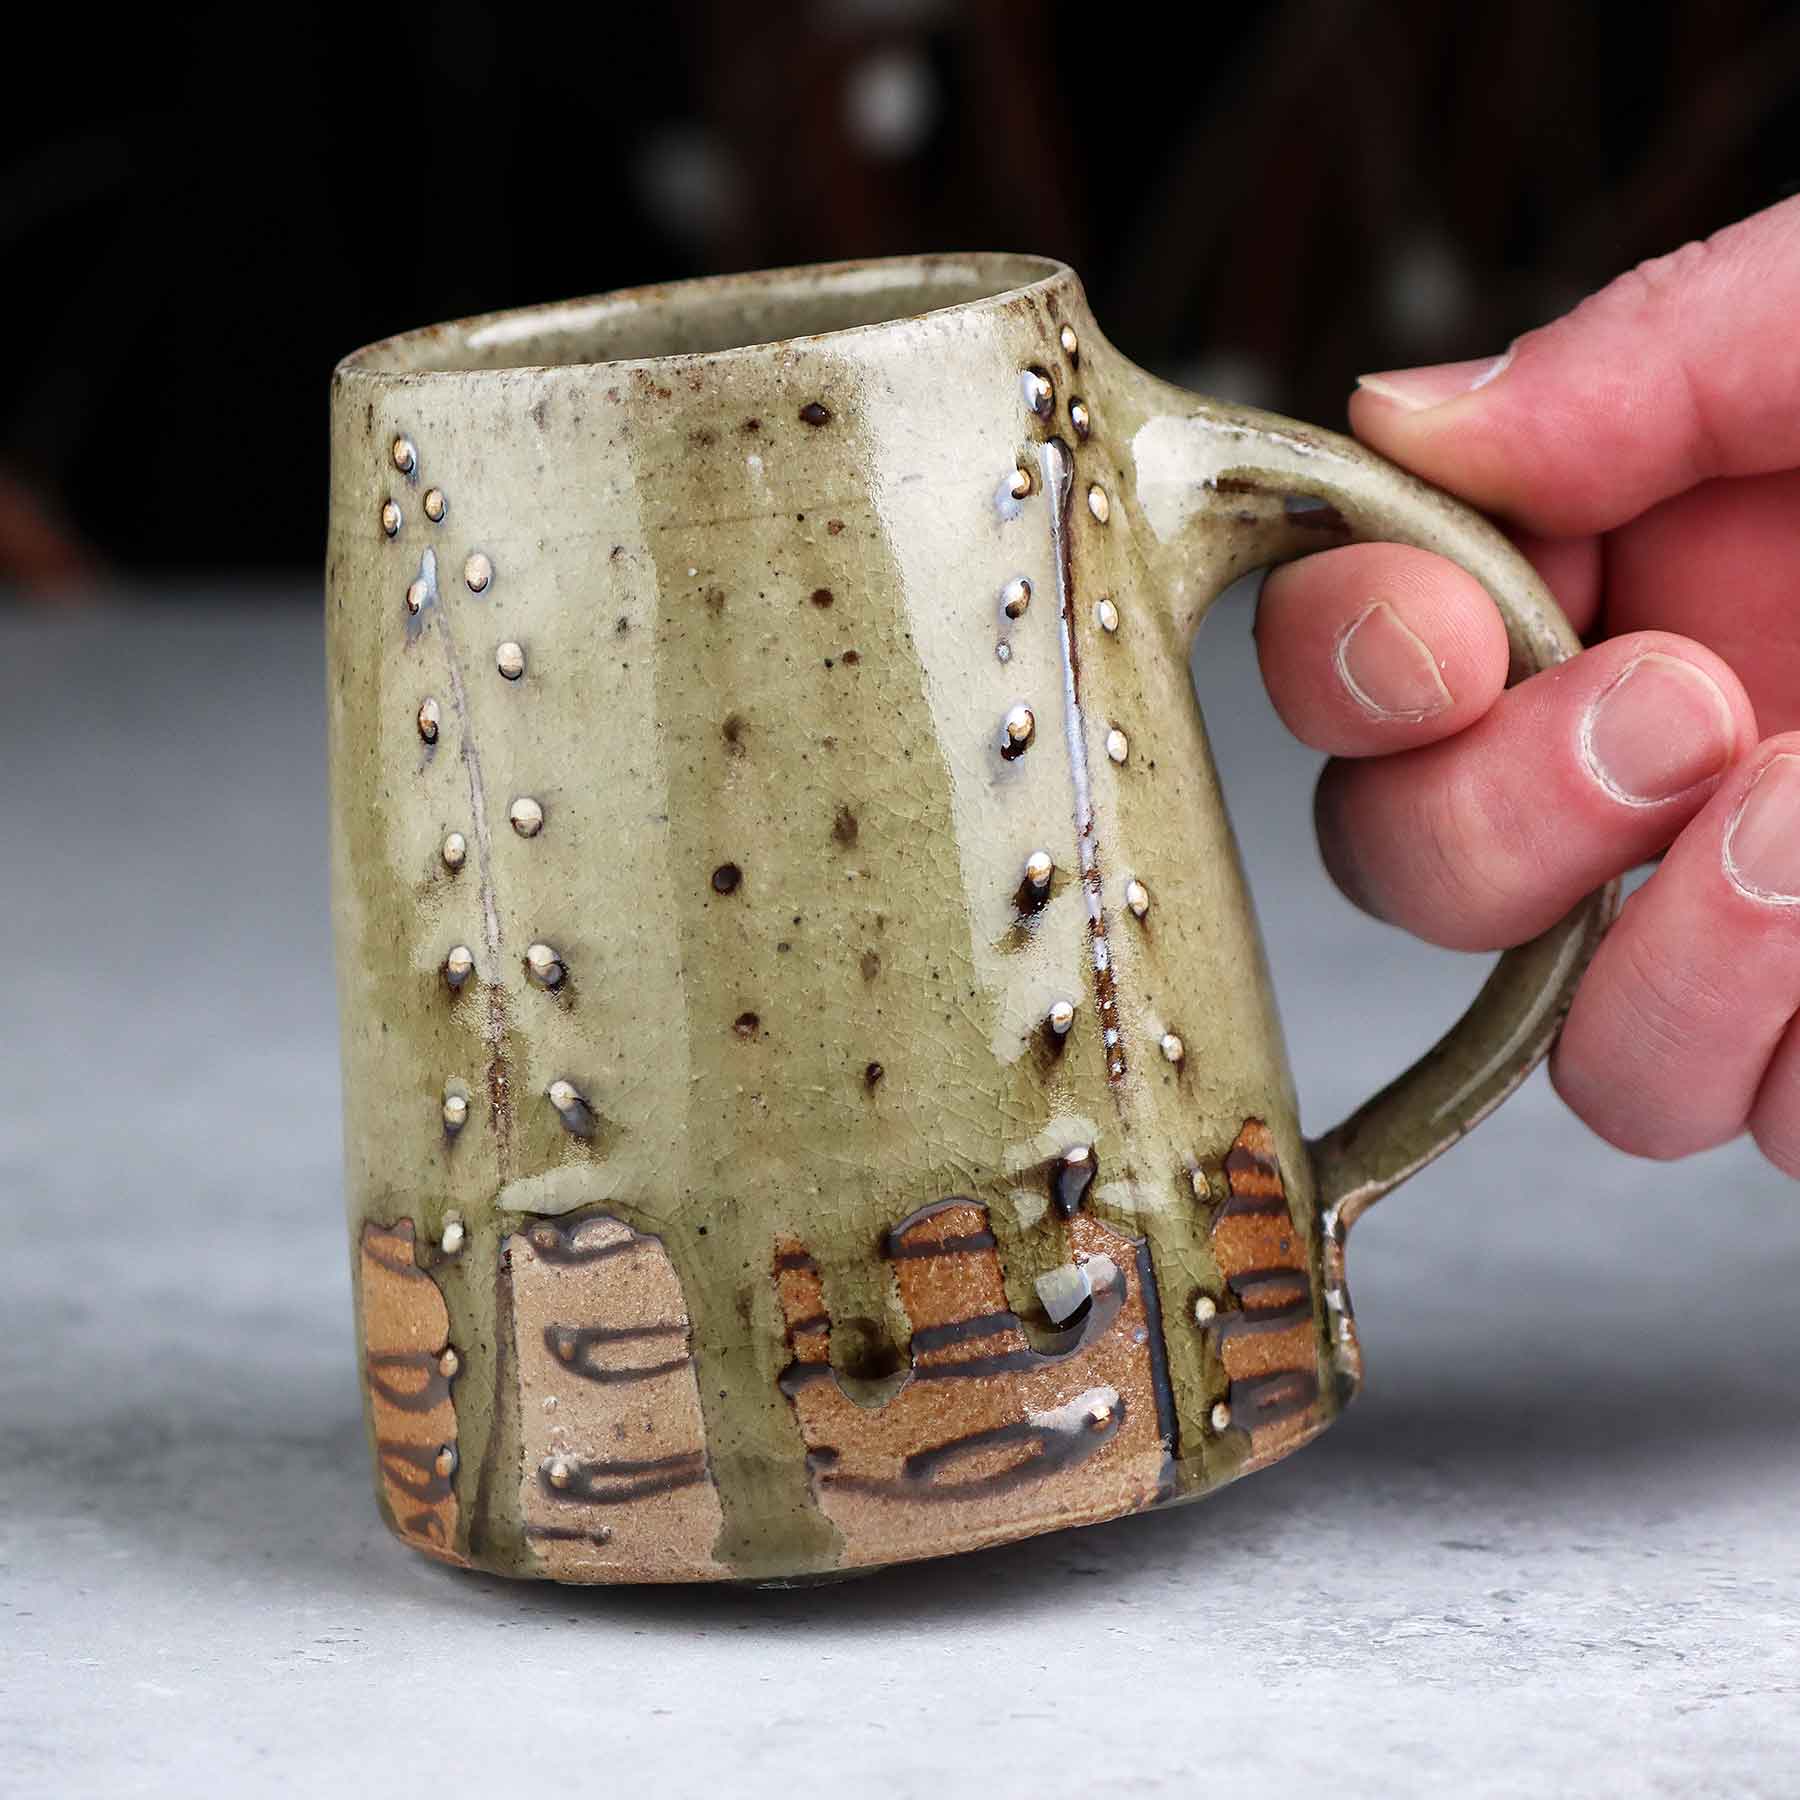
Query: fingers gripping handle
column 1309, row 489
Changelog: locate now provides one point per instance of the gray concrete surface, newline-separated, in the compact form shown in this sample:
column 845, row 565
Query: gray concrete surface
column 1554, row 1550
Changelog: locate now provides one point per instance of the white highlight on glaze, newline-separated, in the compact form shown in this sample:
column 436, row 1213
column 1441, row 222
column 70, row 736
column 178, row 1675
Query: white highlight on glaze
column 1118, row 746
column 456, row 1110
column 478, row 571
column 459, row 964
column 1102, row 954
column 1040, row 394
column 422, row 590
column 451, row 1241
column 1137, row 897
column 1098, row 504
column 526, row 815
column 1091, row 1411
column 1039, row 867
column 1221, row 1417
column 455, row 851
column 436, row 505
column 1062, row 1016
column 509, row 659
column 1059, row 476
column 1106, row 615
column 1206, row 1309
column 1015, row 597
column 1180, row 458
column 429, row 720
column 406, row 457
column 1062, row 1292
column 390, row 518
column 1172, row 1047
column 1003, row 651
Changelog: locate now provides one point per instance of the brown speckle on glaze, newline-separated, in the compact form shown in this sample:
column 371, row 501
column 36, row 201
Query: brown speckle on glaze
column 731, row 729
column 834, row 527
column 815, row 413
column 746, row 1024
column 821, row 597
column 870, row 964
column 872, row 1074
column 844, row 827
column 726, row 877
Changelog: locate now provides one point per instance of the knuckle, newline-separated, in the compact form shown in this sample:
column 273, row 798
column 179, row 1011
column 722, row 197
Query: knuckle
column 1475, row 862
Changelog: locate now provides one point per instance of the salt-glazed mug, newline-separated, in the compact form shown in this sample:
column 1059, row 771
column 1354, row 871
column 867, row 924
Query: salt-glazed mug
column 813, row 1096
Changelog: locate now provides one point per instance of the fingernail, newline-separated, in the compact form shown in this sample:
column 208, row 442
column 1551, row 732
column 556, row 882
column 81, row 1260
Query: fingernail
column 1661, row 727
column 1419, row 389
column 1762, row 842
column 1388, row 667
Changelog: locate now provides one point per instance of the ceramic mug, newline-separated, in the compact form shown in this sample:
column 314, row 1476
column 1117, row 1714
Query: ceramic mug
column 813, row 1096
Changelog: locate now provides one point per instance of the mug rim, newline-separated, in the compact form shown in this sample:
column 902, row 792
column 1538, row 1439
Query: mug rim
column 1004, row 274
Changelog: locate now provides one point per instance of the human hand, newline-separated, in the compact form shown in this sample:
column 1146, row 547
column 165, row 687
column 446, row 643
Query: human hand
column 1645, row 453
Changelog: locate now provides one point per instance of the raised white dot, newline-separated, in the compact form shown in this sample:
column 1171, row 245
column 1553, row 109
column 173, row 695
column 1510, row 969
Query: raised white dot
column 1173, row 1048
column 1221, row 1417
column 1099, row 1415
column 526, row 815
column 1118, row 747
column 390, row 518
column 448, row 1364
column 1070, row 342
column 459, row 964
column 456, row 848
column 1015, row 597
column 477, row 572
column 1137, row 897
column 406, row 458
column 456, row 1111
column 1040, row 395
column 1206, row 1309
column 417, row 593
column 1106, row 615
column 435, row 505
column 1098, row 504
column 451, row 1239
column 1003, row 651
column 545, row 965
column 562, row 1094
column 1020, row 485
column 1078, row 417
column 445, row 1463
column 1018, row 726
column 558, row 1473
column 1062, row 1016
column 1202, row 1187
column 1039, row 868
column 509, row 659
column 429, row 720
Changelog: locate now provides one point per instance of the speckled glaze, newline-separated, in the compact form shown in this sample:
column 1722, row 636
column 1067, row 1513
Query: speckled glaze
column 813, row 1095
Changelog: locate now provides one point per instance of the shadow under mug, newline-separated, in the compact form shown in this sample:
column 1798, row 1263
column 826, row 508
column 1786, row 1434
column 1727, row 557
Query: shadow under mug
column 813, row 1094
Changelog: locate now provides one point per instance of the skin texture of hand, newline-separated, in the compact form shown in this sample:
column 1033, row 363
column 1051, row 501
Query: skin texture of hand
column 1644, row 452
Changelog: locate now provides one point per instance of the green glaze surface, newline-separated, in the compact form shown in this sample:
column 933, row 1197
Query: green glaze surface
column 752, row 537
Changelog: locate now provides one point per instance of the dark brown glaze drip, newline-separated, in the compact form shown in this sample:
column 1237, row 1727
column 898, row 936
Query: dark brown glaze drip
column 1029, row 899
column 555, row 1245
column 1269, row 1399
column 1070, row 1182
column 902, row 1241
column 1011, row 748
column 1167, row 1419
column 569, row 1534
column 431, row 1389
column 959, row 1331
column 611, row 1481
column 1045, row 1450
column 795, row 1259
column 815, row 413
column 573, row 1345
column 950, row 1246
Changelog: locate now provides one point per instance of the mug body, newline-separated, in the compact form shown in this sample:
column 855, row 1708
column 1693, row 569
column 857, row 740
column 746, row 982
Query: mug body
column 813, row 1097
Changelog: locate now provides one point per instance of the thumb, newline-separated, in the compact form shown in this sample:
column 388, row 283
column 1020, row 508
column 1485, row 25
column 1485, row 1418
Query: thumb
column 1686, row 368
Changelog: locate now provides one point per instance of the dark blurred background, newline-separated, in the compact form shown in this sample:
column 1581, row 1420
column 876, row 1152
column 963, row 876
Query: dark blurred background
column 201, row 211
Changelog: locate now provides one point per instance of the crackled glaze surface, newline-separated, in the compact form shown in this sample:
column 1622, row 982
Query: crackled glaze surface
column 769, row 805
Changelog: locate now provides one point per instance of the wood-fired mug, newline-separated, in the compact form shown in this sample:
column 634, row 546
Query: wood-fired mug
column 813, row 1097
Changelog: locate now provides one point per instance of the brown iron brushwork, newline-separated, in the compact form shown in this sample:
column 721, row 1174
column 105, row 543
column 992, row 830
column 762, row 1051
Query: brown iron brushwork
column 984, row 1432
column 614, row 1480
column 1269, row 1343
column 406, row 1351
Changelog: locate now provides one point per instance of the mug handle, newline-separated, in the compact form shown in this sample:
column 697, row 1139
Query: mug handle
column 1288, row 489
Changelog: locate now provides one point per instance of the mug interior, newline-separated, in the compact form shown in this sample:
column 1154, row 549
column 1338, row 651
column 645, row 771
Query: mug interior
column 721, row 313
